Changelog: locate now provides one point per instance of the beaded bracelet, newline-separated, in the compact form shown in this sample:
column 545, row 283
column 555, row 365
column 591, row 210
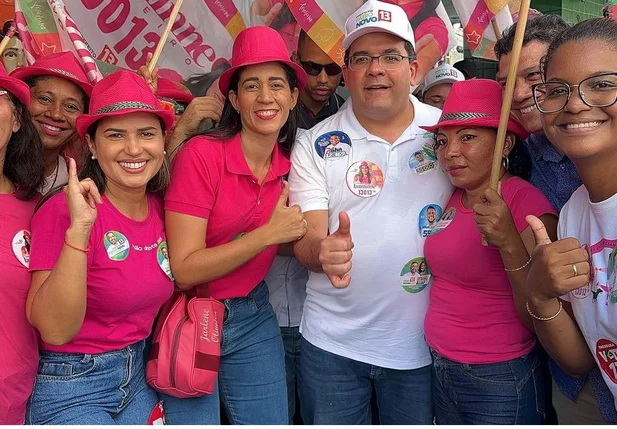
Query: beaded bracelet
column 519, row 268
column 544, row 319
column 86, row 250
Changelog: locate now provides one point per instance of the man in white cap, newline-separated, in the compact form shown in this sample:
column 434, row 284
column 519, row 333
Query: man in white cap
column 437, row 84
column 362, row 331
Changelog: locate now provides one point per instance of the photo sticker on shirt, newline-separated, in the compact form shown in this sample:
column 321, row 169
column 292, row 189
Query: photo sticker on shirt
column 606, row 354
column 428, row 219
column 333, row 145
column 612, row 276
column 446, row 219
column 21, row 246
column 423, row 161
column 365, row 179
column 117, row 245
column 415, row 275
column 162, row 257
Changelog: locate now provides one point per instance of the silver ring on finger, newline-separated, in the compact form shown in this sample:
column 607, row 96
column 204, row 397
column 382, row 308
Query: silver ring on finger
column 575, row 270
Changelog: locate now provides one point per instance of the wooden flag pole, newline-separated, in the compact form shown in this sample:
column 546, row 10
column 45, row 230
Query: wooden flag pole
column 6, row 39
column 163, row 39
column 496, row 29
column 509, row 92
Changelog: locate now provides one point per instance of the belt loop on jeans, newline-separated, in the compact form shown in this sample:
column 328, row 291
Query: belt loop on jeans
column 86, row 359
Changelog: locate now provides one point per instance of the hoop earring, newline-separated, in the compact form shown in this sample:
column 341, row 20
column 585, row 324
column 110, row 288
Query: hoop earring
column 506, row 163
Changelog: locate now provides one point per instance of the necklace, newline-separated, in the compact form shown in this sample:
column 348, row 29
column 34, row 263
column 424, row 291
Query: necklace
column 53, row 184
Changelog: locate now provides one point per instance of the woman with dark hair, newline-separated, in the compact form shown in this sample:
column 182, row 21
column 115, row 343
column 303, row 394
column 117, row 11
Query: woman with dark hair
column 59, row 91
column 21, row 174
column 207, row 84
column 225, row 214
column 97, row 284
column 572, row 294
column 486, row 365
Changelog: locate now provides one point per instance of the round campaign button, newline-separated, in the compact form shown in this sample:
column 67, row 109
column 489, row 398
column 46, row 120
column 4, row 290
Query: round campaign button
column 365, row 179
column 21, row 246
column 116, row 245
column 333, row 145
column 606, row 353
column 446, row 219
column 162, row 257
column 421, row 162
column 415, row 275
column 428, row 219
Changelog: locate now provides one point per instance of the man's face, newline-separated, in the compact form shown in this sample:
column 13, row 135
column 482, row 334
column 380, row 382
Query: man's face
column 414, row 268
column 334, row 140
column 430, row 215
column 378, row 94
column 436, row 95
column 321, row 87
column 523, row 108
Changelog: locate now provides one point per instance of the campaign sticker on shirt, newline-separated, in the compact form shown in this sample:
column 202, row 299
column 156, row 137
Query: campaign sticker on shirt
column 117, row 245
column 415, row 275
column 611, row 274
column 582, row 292
column 364, row 179
column 21, row 246
column 606, row 352
column 446, row 219
column 333, row 145
column 162, row 257
column 429, row 217
column 423, row 161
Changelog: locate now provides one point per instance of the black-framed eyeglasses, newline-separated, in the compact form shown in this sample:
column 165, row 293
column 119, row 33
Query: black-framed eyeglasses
column 314, row 69
column 386, row 61
column 594, row 91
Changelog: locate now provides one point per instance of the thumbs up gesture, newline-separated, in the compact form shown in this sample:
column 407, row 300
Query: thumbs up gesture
column 556, row 268
column 82, row 198
column 335, row 253
column 286, row 223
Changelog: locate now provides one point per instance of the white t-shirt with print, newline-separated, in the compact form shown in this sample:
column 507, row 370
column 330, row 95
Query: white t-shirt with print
column 375, row 320
column 595, row 305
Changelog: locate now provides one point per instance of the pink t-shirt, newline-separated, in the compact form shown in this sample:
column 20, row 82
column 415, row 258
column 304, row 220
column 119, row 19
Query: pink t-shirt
column 18, row 340
column 471, row 316
column 211, row 180
column 128, row 275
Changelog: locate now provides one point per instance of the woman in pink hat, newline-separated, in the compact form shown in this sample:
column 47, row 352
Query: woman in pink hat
column 97, row 283
column 486, row 365
column 59, row 91
column 21, row 174
column 226, row 215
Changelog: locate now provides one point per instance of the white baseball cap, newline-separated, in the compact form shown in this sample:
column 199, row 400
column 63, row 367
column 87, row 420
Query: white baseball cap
column 376, row 16
column 445, row 73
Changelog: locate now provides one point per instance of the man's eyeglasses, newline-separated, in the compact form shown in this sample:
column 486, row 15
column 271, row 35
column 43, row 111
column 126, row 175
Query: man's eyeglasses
column 594, row 91
column 315, row 69
column 386, row 61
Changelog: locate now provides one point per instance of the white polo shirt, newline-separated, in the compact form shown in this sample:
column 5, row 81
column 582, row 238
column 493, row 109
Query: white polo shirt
column 379, row 318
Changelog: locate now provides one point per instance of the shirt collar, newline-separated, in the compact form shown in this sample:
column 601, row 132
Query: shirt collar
column 236, row 162
column 540, row 148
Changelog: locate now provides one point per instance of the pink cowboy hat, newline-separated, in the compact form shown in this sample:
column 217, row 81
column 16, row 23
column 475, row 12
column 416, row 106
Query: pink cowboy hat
column 475, row 103
column 174, row 91
column 15, row 86
column 258, row 45
column 63, row 64
column 121, row 93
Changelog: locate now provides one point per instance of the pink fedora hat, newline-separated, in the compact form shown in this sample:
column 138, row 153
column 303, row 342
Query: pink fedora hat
column 121, row 93
column 62, row 64
column 257, row 45
column 173, row 90
column 15, row 86
column 475, row 103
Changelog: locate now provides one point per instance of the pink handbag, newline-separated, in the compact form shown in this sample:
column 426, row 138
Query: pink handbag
column 186, row 350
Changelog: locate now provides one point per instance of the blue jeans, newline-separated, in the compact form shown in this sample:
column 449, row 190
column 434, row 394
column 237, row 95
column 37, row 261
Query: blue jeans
column 291, row 342
column 82, row 389
column 337, row 390
column 509, row 393
column 251, row 382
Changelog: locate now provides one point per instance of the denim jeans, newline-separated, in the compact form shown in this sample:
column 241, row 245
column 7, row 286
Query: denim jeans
column 251, row 382
column 82, row 389
column 291, row 342
column 337, row 390
column 509, row 393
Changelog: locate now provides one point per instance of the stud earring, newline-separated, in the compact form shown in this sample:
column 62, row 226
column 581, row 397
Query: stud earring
column 164, row 152
column 93, row 157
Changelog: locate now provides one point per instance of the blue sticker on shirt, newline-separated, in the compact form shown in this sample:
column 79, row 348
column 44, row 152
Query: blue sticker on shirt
column 428, row 219
column 423, row 160
column 333, row 145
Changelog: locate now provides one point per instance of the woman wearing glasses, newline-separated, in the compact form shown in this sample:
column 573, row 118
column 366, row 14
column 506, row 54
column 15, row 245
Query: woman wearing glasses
column 571, row 296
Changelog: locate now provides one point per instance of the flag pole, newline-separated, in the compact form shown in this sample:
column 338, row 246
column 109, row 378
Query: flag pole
column 163, row 39
column 6, row 39
column 509, row 92
column 496, row 29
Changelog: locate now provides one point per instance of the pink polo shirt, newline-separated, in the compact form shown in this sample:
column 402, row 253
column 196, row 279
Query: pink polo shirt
column 471, row 316
column 18, row 341
column 128, row 277
column 211, row 180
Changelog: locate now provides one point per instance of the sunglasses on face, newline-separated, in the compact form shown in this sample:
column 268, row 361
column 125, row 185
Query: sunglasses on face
column 315, row 69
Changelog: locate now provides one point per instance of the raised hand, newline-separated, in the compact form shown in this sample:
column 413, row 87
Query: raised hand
column 199, row 109
column 82, row 198
column 286, row 224
column 556, row 268
column 494, row 220
column 152, row 79
column 335, row 253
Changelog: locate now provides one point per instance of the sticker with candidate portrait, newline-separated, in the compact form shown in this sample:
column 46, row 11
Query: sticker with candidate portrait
column 423, row 161
column 415, row 275
column 611, row 274
column 162, row 257
column 446, row 219
column 606, row 354
column 333, row 145
column 429, row 217
column 364, row 179
column 116, row 245
column 21, row 246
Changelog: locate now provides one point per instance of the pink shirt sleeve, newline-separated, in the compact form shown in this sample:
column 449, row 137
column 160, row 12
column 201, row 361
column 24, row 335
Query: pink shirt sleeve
column 194, row 178
column 49, row 225
column 524, row 199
